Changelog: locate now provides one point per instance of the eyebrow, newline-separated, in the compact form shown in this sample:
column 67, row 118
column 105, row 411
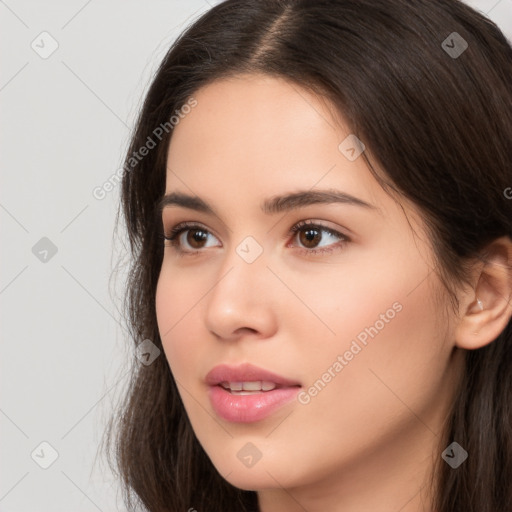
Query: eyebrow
column 273, row 205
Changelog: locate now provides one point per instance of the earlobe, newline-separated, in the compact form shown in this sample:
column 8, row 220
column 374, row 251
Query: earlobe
column 490, row 309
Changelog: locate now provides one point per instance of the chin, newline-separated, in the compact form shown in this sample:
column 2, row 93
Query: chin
column 247, row 480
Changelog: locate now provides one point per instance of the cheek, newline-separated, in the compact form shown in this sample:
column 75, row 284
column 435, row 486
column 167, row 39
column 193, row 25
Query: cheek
column 175, row 303
column 388, row 358
column 383, row 327
column 355, row 299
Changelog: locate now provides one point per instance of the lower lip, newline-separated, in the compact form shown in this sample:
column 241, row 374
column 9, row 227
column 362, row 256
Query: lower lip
column 249, row 408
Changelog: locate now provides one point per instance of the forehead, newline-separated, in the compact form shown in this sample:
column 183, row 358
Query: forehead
column 261, row 108
column 255, row 136
column 256, row 124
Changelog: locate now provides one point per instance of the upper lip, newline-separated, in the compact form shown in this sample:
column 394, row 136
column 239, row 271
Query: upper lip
column 245, row 373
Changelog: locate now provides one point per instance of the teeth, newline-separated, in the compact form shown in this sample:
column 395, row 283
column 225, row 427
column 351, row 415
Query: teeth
column 246, row 388
column 252, row 386
column 267, row 386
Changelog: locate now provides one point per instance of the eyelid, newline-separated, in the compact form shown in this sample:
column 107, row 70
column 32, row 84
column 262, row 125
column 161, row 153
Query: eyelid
column 179, row 228
column 182, row 227
column 298, row 226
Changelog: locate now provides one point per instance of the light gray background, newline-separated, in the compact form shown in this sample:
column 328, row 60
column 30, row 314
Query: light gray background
column 65, row 124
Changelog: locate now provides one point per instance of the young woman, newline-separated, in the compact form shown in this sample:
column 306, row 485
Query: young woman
column 319, row 205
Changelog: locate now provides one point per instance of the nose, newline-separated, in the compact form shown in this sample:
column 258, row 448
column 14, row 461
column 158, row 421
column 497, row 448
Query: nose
column 242, row 301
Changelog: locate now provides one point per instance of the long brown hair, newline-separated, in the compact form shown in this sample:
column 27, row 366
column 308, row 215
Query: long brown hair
column 436, row 116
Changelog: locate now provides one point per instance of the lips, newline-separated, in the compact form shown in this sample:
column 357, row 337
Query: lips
column 247, row 393
column 246, row 373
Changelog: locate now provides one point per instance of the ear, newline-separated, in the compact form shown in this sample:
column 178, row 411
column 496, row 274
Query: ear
column 481, row 323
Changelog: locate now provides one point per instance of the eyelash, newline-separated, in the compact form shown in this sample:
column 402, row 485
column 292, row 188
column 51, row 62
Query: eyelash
column 177, row 230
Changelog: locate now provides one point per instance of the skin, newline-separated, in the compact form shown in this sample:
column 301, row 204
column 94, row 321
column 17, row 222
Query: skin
column 368, row 439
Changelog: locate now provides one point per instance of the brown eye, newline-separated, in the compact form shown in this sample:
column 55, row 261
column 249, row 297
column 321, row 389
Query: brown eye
column 196, row 237
column 310, row 235
column 189, row 238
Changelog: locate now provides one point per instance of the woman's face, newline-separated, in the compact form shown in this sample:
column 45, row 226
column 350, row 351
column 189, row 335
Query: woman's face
column 352, row 354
